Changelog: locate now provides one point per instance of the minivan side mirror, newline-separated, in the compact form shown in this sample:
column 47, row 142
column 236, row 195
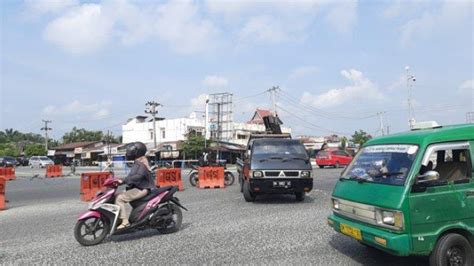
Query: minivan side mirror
column 429, row 176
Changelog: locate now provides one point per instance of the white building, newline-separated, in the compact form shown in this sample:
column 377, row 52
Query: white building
column 140, row 128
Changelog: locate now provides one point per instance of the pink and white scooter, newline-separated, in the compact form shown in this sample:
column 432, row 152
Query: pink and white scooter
column 159, row 210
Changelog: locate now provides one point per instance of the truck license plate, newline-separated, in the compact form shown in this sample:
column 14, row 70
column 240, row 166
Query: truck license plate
column 351, row 231
column 280, row 184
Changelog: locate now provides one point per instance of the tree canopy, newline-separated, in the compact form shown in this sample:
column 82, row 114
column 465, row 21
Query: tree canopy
column 194, row 146
column 82, row 134
column 360, row 137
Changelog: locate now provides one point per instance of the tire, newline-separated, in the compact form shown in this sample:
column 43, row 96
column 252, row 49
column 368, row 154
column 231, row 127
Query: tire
column 175, row 225
column 241, row 184
column 248, row 195
column 104, row 228
column 229, row 179
column 321, row 166
column 300, row 196
column 452, row 249
column 193, row 179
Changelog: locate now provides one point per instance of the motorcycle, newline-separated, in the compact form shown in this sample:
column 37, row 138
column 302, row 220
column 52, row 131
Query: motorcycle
column 229, row 178
column 158, row 210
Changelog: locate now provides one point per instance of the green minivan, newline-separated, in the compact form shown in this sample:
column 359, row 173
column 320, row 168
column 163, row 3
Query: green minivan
column 411, row 194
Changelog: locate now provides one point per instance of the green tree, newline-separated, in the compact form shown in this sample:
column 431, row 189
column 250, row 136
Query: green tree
column 35, row 150
column 8, row 150
column 81, row 134
column 360, row 137
column 343, row 143
column 194, row 146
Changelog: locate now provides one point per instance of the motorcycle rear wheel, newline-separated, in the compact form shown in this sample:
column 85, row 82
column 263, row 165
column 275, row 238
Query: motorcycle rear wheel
column 174, row 224
column 96, row 228
column 193, row 179
column 228, row 179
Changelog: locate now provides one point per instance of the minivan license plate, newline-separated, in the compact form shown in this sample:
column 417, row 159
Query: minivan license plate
column 351, row 231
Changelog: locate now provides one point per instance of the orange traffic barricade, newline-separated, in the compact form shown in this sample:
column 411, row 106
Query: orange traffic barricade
column 54, row 170
column 169, row 177
column 91, row 183
column 8, row 173
column 3, row 184
column 211, row 177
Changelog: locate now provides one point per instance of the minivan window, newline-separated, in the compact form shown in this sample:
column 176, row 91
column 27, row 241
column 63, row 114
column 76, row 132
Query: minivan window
column 386, row 164
column 279, row 148
column 452, row 163
column 44, row 158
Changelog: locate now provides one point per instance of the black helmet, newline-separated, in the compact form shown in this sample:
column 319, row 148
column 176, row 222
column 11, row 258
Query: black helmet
column 135, row 150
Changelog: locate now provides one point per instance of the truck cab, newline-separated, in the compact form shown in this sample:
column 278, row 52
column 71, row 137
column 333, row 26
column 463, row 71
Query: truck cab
column 411, row 194
column 275, row 164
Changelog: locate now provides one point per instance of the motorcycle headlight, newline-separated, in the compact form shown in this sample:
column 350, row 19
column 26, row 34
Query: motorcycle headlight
column 257, row 174
column 306, row 174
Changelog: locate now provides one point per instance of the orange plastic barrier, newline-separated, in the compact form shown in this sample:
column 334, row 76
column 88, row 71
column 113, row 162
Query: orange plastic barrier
column 54, row 171
column 3, row 183
column 91, row 183
column 8, row 173
column 169, row 177
column 211, row 177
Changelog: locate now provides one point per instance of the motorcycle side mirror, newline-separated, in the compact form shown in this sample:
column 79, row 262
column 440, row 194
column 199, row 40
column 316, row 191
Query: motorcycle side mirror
column 429, row 176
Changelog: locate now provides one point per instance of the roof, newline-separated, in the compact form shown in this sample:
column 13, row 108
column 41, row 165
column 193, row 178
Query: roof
column 428, row 136
column 259, row 115
column 71, row 146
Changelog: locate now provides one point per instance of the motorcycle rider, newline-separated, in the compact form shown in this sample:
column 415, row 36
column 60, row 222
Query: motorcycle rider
column 139, row 181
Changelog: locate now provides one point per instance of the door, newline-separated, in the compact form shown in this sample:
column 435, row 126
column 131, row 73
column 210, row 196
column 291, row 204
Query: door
column 446, row 201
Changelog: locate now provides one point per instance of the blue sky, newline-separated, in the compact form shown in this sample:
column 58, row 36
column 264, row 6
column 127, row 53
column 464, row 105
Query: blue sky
column 93, row 64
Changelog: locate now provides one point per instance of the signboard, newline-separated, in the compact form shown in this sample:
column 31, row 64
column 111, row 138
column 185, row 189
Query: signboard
column 51, row 152
column 78, row 150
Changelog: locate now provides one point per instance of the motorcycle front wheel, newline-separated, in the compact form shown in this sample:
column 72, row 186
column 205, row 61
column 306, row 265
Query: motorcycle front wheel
column 91, row 231
column 193, row 179
column 228, row 179
column 173, row 224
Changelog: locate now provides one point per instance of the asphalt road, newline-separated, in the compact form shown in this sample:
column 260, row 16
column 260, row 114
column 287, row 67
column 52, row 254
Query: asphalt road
column 219, row 228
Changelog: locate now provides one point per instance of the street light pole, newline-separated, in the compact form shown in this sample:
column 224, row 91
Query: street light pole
column 410, row 80
column 151, row 109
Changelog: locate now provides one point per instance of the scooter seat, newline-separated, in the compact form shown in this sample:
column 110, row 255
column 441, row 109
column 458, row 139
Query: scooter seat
column 153, row 193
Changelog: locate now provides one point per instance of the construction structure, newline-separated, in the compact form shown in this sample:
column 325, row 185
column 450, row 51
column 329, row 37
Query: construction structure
column 221, row 117
column 470, row 117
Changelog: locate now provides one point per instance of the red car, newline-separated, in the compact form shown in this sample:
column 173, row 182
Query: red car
column 335, row 158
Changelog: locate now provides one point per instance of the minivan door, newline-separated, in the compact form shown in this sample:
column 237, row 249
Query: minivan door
column 445, row 201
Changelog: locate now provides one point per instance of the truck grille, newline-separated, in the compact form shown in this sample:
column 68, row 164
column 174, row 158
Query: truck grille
column 278, row 173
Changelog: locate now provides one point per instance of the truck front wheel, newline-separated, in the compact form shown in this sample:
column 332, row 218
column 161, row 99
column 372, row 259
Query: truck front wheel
column 248, row 195
column 300, row 196
column 452, row 249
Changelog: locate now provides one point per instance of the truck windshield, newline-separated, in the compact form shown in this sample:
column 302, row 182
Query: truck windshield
column 387, row 164
column 279, row 148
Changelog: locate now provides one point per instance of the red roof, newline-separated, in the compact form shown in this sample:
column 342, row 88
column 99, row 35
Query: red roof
column 259, row 115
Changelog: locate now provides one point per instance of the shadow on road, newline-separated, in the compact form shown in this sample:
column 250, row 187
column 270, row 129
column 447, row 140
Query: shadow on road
column 281, row 199
column 367, row 255
column 142, row 234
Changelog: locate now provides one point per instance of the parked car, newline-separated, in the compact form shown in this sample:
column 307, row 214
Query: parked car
column 40, row 161
column 8, row 161
column 275, row 164
column 22, row 160
column 411, row 194
column 334, row 158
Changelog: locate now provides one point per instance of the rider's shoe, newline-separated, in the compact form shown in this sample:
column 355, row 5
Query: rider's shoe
column 123, row 225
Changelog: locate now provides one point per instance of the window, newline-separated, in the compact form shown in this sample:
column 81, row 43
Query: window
column 451, row 160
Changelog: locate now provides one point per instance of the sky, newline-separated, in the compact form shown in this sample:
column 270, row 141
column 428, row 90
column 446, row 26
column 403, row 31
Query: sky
column 94, row 64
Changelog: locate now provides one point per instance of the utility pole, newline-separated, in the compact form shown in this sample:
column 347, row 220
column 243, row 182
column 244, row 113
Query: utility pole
column 206, row 122
column 410, row 81
column 382, row 127
column 273, row 91
column 46, row 128
column 151, row 109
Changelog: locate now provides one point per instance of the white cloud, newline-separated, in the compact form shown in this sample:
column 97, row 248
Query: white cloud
column 467, row 87
column 262, row 29
column 304, row 71
column 399, row 83
column 81, row 30
column 87, row 28
column 361, row 88
column 214, row 81
column 450, row 15
column 38, row 7
column 199, row 102
column 343, row 16
column 78, row 109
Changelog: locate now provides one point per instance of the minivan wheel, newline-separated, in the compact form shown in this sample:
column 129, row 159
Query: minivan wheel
column 453, row 250
column 248, row 195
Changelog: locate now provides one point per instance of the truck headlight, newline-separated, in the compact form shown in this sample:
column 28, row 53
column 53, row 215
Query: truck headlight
column 335, row 204
column 257, row 174
column 306, row 174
